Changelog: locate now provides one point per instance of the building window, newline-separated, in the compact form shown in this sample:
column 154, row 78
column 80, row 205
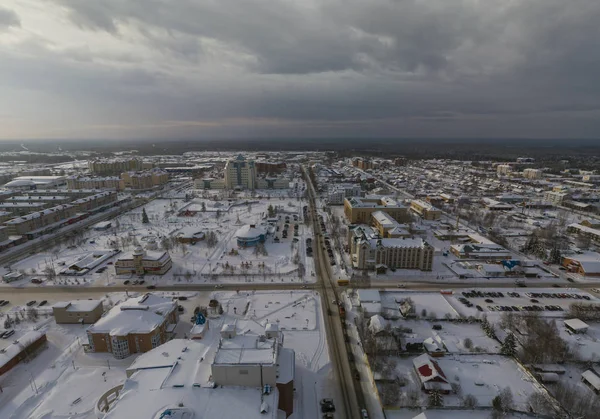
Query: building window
column 120, row 348
column 243, row 372
column 155, row 340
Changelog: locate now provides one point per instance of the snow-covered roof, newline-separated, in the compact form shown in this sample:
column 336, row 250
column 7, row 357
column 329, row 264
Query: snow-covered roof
column 428, row 369
column 247, row 349
column 18, row 345
column 591, row 378
column 150, row 392
column 576, row 324
column 369, row 296
column 78, row 305
column 141, row 314
column 250, row 232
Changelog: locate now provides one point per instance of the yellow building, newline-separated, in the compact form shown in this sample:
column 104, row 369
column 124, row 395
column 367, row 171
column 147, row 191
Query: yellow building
column 425, row 210
column 358, row 210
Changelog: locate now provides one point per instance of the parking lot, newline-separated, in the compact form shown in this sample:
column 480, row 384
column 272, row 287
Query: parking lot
column 547, row 301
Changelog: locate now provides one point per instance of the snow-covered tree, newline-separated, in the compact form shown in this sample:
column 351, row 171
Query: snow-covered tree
column 509, row 346
column 435, row 399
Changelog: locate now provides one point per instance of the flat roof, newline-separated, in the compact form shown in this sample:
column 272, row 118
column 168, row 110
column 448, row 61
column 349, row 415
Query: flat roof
column 247, row 349
column 576, row 324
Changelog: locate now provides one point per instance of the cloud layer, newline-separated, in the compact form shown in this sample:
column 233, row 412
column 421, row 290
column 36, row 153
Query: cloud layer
column 277, row 68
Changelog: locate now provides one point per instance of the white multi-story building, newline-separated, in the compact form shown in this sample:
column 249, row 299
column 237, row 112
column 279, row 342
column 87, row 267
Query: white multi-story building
column 337, row 193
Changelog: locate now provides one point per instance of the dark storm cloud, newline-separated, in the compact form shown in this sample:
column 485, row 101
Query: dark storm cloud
column 8, row 18
column 389, row 67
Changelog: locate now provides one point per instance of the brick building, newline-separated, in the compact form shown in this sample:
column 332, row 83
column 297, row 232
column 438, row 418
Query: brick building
column 133, row 326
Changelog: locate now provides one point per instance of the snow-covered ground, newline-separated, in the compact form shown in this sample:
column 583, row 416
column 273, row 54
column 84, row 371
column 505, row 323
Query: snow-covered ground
column 64, row 382
column 224, row 262
column 482, row 376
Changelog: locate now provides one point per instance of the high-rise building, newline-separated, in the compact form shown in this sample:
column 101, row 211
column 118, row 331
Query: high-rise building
column 240, row 173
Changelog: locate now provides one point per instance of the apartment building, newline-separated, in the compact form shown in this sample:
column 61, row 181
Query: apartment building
column 338, row 192
column 143, row 180
column 532, row 173
column 115, row 166
column 34, row 221
column 96, row 182
column 503, row 169
column 77, row 311
column 140, row 262
column 425, row 210
column 358, row 210
column 556, row 197
column 92, row 202
column 135, row 325
column 369, row 252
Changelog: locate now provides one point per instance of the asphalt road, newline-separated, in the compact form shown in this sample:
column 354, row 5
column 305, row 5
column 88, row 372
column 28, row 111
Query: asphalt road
column 352, row 397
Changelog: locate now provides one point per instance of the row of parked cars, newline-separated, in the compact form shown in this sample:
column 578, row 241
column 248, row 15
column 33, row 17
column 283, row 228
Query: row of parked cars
column 526, row 308
column 556, row 295
column 33, row 302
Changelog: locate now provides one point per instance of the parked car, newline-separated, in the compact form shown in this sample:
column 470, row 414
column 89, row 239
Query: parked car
column 126, row 282
column 151, row 287
column 42, row 303
column 30, row 303
column 8, row 334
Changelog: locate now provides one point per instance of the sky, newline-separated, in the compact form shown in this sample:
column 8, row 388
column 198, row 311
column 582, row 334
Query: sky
column 158, row 69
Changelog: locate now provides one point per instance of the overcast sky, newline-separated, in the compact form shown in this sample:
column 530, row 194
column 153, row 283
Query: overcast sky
column 253, row 68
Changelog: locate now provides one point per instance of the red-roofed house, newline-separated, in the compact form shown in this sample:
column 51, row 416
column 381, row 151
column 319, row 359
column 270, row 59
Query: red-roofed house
column 431, row 375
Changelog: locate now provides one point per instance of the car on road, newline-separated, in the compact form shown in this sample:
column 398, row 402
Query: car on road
column 479, row 308
column 182, row 298
column 126, row 282
column 43, row 303
column 141, row 282
column 327, row 406
column 401, row 285
column 8, row 334
column 30, row 303
column 364, row 414
column 219, row 286
column 151, row 287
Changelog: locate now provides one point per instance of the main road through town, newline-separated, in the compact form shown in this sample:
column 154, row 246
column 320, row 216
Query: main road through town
column 352, row 397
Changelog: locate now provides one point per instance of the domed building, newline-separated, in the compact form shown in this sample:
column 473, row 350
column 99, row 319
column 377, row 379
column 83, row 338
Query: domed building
column 250, row 235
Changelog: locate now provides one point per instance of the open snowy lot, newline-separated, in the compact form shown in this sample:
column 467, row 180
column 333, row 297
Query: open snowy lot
column 482, row 376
